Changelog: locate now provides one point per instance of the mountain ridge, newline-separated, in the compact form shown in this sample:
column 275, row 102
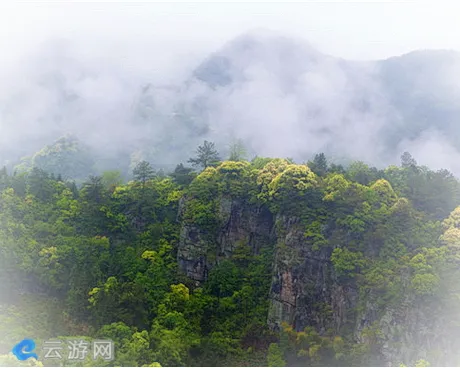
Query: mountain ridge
column 278, row 94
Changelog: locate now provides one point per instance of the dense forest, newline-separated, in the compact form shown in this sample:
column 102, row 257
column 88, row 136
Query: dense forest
column 232, row 262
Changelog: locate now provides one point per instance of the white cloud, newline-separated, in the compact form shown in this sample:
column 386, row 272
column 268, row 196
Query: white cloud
column 108, row 50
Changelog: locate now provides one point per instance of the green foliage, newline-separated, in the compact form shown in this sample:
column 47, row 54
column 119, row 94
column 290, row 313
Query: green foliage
column 182, row 175
column 361, row 173
column 424, row 284
column 233, row 178
column 295, row 177
column 258, row 163
column 132, row 347
column 67, row 157
column 319, row 165
column 314, row 233
column 422, row 363
column 201, row 214
column 309, row 348
column 223, row 280
column 112, row 179
column 267, row 174
column 287, row 190
column 93, row 190
column 384, row 191
column 434, row 192
column 346, row 261
column 407, row 160
column 275, row 356
column 104, row 257
column 40, row 185
column 237, row 151
column 206, row 155
column 9, row 360
column 205, row 186
column 143, row 171
column 425, row 266
column 336, row 187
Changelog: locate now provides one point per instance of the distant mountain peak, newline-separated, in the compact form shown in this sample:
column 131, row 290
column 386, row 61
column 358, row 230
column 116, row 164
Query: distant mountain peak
column 265, row 36
column 265, row 48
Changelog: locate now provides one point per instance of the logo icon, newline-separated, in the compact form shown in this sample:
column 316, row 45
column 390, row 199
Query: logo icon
column 24, row 350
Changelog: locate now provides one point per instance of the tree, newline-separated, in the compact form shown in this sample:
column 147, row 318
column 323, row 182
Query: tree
column 143, row 172
column 206, row 155
column 132, row 346
column 19, row 183
column 224, row 279
column 9, row 360
column 40, row 185
column 182, row 175
column 161, row 174
column 111, row 179
column 73, row 188
column 93, row 189
column 4, row 180
column 362, row 173
column 275, row 356
column 339, row 169
column 407, row 160
column 319, row 164
column 288, row 188
column 422, row 363
column 237, row 151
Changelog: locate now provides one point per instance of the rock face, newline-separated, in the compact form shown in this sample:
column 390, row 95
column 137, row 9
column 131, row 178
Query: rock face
column 306, row 291
column 239, row 223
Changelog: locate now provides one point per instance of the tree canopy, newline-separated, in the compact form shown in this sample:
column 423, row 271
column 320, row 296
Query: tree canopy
column 113, row 259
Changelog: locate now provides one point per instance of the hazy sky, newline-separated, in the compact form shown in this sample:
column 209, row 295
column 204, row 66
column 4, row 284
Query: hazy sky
column 116, row 47
column 350, row 29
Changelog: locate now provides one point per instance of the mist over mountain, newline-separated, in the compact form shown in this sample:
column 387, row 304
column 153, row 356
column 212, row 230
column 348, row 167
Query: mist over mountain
column 278, row 94
column 318, row 226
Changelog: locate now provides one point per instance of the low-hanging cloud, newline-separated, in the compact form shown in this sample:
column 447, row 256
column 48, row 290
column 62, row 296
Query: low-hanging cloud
column 278, row 94
column 287, row 107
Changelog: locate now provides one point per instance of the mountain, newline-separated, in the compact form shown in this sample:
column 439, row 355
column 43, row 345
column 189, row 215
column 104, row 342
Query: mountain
column 256, row 264
column 279, row 95
column 67, row 157
column 265, row 50
column 282, row 93
column 422, row 87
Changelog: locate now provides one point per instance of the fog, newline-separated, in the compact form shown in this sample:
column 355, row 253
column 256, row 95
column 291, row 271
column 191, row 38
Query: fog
column 153, row 80
column 81, row 68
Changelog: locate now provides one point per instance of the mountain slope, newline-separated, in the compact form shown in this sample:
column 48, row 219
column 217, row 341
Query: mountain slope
column 279, row 95
column 280, row 92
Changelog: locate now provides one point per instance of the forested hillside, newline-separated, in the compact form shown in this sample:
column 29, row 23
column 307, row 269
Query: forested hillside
column 267, row 262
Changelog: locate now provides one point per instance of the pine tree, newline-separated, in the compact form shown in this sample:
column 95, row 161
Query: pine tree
column 206, row 155
column 143, row 172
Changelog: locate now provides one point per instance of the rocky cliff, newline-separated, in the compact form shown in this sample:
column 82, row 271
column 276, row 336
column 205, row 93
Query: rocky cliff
column 307, row 291
column 238, row 222
column 349, row 260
